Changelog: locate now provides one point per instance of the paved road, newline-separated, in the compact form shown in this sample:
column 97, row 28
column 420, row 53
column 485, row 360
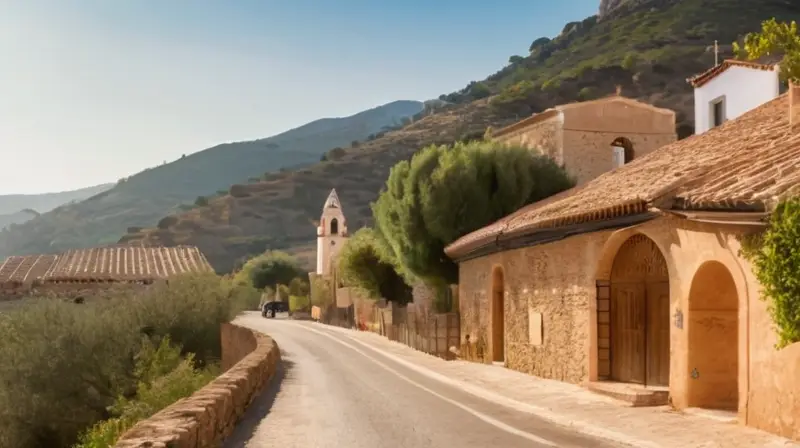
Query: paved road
column 331, row 392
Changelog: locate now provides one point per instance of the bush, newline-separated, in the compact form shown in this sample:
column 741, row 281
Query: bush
column 444, row 193
column 298, row 287
column 364, row 263
column 283, row 293
column 299, row 303
column 65, row 365
column 167, row 222
column 201, row 201
column 321, row 292
column 776, row 259
column 269, row 269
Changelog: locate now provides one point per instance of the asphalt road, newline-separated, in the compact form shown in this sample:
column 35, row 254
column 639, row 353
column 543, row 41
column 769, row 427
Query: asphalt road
column 329, row 392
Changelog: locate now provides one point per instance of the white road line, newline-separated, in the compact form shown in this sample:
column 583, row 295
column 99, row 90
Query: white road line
column 492, row 421
column 546, row 414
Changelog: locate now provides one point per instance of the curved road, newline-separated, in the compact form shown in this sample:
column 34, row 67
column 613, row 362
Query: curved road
column 330, row 392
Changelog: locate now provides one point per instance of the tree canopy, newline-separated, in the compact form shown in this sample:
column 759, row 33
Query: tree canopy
column 445, row 192
column 270, row 269
column 774, row 39
column 364, row 263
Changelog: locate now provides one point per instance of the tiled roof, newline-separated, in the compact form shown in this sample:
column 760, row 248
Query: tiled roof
column 746, row 164
column 118, row 263
column 713, row 72
column 21, row 270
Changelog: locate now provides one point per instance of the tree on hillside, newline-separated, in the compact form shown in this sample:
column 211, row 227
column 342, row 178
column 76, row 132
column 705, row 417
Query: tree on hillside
column 364, row 263
column 270, row 269
column 446, row 192
column 774, row 39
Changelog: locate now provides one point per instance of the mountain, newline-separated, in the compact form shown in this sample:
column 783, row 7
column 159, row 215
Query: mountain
column 13, row 203
column 645, row 47
column 142, row 199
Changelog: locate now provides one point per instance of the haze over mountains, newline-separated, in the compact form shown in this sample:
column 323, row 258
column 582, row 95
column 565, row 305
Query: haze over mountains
column 144, row 198
column 18, row 208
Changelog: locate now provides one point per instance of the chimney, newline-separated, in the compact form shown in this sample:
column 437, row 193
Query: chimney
column 794, row 104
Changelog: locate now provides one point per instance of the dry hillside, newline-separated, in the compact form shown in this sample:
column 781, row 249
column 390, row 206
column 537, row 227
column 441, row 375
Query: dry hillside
column 282, row 211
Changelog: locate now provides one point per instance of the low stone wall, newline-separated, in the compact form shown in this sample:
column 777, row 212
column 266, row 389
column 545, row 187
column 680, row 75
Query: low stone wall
column 209, row 416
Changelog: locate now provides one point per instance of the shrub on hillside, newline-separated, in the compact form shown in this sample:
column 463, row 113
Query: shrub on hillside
column 167, row 222
column 446, row 192
column 299, row 303
column 64, row 365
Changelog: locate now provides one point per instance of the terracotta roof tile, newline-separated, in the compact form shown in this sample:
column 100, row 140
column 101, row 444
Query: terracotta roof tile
column 713, row 72
column 127, row 263
column 24, row 270
column 747, row 163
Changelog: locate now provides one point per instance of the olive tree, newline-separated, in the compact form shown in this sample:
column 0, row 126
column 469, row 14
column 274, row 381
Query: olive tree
column 364, row 263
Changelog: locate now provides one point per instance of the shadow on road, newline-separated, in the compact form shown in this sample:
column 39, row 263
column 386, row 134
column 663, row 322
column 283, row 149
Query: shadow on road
column 259, row 409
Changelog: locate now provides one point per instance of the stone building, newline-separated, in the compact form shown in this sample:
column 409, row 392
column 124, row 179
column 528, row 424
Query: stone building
column 87, row 271
column 633, row 284
column 593, row 137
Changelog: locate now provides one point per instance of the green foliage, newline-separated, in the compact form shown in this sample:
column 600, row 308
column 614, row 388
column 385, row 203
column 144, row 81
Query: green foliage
column 164, row 377
column 269, row 269
column 446, row 192
column 65, row 365
column 321, row 292
column 629, row 63
column 775, row 38
column 299, row 303
column 586, row 93
column 479, row 90
column 283, row 293
column 201, row 201
column 365, row 263
column 298, row 287
column 538, row 43
column 776, row 259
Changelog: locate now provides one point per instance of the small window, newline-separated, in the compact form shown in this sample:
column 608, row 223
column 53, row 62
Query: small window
column 334, row 226
column 718, row 112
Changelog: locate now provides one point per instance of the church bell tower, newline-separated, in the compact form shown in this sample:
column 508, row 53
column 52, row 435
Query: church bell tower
column 331, row 234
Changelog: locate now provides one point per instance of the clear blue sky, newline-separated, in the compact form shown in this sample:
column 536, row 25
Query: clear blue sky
column 94, row 90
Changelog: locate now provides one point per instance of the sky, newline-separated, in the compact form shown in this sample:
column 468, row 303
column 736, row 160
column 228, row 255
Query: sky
column 95, row 90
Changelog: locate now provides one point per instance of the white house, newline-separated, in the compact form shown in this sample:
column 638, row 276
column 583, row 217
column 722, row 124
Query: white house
column 730, row 89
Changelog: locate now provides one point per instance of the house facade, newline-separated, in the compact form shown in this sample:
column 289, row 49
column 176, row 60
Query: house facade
column 593, row 137
column 633, row 284
column 719, row 96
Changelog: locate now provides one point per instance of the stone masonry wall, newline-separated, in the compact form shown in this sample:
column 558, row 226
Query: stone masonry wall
column 207, row 417
column 555, row 281
column 544, row 136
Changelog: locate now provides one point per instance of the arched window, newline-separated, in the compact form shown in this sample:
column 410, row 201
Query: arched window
column 623, row 151
column 334, row 226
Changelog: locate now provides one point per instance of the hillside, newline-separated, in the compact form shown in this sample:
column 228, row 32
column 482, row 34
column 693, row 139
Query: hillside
column 41, row 203
column 144, row 198
column 648, row 47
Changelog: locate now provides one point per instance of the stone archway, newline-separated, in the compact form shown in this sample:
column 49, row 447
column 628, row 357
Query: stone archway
column 498, row 317
column 713, row 329
column 639, row 314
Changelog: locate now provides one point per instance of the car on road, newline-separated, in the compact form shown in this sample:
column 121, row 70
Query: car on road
column 270, row 308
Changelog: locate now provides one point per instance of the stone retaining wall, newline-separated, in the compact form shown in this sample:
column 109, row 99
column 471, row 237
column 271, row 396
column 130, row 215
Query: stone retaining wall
column 206, row 418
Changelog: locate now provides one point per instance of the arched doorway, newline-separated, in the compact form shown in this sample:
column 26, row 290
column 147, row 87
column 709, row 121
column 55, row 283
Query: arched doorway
column 713, row 325
column 639, row 314
column 498, row 318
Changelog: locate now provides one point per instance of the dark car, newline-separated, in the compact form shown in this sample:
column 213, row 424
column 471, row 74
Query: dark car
column 270, row 308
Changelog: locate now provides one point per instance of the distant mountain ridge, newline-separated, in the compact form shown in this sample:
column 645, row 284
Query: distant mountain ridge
column 144, row 198
column 44, row 202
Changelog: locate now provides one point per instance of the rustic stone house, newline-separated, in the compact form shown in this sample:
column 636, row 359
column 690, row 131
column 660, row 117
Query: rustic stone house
column 633, row 283
column 86, row 271
column 593, row 137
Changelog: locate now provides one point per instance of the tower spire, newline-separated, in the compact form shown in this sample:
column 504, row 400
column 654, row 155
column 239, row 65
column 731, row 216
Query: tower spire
column 332, row 201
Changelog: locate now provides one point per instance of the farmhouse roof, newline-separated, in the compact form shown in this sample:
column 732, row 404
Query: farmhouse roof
column 701, row 79
column 745, row 165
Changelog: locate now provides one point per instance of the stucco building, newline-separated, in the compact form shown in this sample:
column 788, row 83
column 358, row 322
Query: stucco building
column 331, row 234
column 593, row 137
column 633, row 284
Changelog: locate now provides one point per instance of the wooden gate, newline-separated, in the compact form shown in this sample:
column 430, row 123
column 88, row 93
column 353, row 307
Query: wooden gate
column 639, row 314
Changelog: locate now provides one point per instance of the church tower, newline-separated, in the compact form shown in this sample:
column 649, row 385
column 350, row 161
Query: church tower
column 331, row 233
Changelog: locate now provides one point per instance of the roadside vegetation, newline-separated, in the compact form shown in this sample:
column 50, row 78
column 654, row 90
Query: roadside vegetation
column 278, row 276
column 81, row 374
column 441, row 194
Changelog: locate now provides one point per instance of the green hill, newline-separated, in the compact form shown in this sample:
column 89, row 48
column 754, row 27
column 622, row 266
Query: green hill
column 144, row 198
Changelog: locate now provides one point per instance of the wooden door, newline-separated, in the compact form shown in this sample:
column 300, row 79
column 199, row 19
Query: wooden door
column 628, row 336
column 658, row 323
